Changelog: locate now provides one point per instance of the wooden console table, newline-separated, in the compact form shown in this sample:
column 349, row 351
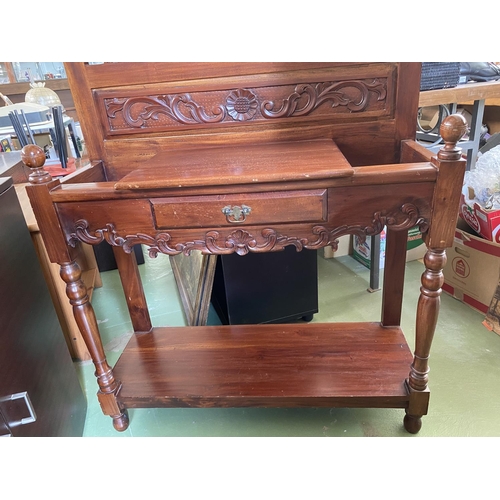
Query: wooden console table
column 254, row 157
column 468, row 93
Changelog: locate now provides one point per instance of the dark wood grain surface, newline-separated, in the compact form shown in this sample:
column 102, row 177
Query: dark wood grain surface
column 251, row 164
column 266, row 365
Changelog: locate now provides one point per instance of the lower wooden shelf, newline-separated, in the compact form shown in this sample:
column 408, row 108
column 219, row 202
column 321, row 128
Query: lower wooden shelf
column 292, row 365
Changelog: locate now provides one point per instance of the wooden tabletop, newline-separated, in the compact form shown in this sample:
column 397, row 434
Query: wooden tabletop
column 290, row 161
column 26, row 207
column 466, row 93
column 8, row 160
column 12, row 166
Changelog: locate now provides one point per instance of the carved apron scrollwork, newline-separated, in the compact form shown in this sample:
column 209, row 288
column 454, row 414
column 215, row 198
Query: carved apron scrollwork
column 242, row 242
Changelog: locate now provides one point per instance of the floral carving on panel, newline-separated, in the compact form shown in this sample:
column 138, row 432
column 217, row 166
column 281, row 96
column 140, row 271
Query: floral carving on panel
column 307, row 98
column 244, row 104
column 180, row 108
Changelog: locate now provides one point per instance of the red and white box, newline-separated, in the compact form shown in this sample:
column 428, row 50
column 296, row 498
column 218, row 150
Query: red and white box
column 472, row 271
column 484, row 222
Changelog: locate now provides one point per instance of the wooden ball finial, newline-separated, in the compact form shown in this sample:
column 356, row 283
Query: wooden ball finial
column 33, row 157
column 452, row 130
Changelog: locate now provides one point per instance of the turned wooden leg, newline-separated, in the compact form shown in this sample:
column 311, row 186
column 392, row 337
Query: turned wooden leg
column 134, row 292
column 86, row 321
column 427, row 314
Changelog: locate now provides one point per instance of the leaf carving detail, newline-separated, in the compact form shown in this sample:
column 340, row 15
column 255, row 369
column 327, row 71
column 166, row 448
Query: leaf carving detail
column 179, row 107
column 243, row 242
column 242, row 104
column 315, row 95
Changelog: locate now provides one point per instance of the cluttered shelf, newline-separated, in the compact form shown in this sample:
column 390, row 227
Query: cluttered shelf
column 470, row 96
column 461, row 94
column 16, row 91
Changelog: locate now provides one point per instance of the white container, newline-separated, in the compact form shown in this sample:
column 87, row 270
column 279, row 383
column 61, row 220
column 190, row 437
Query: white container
column 39, row 94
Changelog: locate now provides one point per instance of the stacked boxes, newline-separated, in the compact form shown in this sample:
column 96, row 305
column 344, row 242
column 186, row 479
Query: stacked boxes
column 414, row 250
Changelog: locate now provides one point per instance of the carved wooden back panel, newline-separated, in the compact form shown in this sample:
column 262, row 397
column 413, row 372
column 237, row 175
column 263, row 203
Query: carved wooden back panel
column 133, row 113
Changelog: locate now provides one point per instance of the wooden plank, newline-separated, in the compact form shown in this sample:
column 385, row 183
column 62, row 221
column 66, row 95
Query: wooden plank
column 111, row 74
column 353, row 364
column 412, row 152
column 89, row 172
column 445, row 214
column 49, row 225
column 406, row 106
column 84, row 103
column 23, row 87
column 467, row 92
column 243, row 164
column 124, row 155
column 11, row 165
column 394, row 276
column 362, row 176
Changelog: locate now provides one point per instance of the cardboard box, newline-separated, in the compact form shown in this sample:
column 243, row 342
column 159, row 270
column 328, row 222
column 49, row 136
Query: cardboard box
column 484, row 222
column 472, row 270
column 491, row 116
column 361, row 251
column 415, row 248
column 343, row 248
column 492, row 320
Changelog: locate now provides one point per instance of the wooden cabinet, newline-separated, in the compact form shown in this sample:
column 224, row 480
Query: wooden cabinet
column 40, row 394
column 228, row 158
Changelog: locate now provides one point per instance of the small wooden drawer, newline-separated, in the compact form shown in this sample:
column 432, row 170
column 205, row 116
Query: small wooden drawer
column 240, row 209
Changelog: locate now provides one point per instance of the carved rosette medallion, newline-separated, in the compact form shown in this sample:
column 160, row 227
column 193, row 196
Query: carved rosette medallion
column 242, row 104
column 243, row 242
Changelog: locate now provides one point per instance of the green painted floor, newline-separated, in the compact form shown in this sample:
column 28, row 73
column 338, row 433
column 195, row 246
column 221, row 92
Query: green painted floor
column 464, row 378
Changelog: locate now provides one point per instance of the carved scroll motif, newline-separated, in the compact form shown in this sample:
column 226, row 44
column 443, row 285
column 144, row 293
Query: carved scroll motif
column 180, row 108
column 242, row 104
column 243, row 242
column 315, row 95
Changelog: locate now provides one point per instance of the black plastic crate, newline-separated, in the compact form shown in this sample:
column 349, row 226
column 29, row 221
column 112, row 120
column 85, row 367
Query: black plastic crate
column 439, row 75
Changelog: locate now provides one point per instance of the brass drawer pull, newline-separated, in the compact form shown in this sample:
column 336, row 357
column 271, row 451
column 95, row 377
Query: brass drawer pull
column 236, row 214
